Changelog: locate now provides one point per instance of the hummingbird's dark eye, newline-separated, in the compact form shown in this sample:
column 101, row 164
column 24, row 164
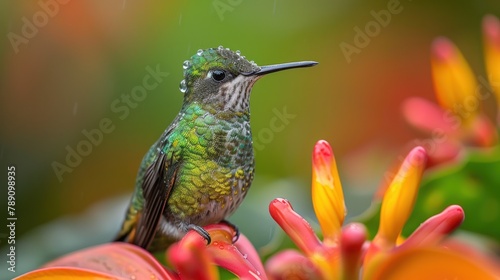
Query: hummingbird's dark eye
column 218, row 75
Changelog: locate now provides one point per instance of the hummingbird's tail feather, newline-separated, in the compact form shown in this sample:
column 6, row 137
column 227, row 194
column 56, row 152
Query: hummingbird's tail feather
column 157, row 185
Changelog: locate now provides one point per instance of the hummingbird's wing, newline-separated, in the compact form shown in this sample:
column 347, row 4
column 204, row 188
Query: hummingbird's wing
column 157, row 185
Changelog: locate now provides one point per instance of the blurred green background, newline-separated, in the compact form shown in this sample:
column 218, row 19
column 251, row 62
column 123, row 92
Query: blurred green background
column 64, row 63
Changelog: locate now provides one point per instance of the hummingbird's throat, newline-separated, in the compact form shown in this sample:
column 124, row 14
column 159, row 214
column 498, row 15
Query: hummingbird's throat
column 235, row 94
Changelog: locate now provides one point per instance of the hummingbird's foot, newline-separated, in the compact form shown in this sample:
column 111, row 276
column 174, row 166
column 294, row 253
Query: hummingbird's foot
column 201, row 231
column 235, row 228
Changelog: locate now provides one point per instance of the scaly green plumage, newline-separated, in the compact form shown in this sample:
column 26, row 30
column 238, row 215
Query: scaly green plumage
column 201, row 168
column 218, row 163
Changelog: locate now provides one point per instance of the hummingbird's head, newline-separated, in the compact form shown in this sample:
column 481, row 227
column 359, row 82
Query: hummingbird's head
column 223, row 79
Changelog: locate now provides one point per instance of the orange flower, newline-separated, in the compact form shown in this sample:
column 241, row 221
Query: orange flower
column 459, row 121
column 344, row 251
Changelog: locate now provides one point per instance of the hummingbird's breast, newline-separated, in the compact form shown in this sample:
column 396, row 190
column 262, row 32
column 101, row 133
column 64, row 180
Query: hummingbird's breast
column 217, row 167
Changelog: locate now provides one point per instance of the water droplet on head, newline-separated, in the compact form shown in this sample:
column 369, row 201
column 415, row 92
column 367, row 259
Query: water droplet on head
column 186, row 64
column 243, row 57
column 183, row 86
column 220, row 48
column 199, row 52
column 245, row 256
column 238, row 52
column 227, row 49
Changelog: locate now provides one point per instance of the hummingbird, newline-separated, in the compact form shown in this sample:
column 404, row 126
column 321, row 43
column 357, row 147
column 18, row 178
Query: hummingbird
column 200, row 169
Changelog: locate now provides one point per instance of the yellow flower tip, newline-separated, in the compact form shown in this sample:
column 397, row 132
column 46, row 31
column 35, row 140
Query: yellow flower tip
column 400, row 197
column 327, row 195
column 454, row 81
column 491, row 31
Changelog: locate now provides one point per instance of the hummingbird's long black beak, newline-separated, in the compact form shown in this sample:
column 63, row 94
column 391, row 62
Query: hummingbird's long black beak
column 278, row 67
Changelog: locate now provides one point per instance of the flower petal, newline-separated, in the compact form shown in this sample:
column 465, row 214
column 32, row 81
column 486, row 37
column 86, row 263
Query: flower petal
column 454, row 81
column 352, row 239
column 246, row 248
column 327, row 195
column 63, row 273
column 290, row 264
column 301, row 233
column 444, row 152
column 294, row 225
column 113, row 259
column 225, row 254
column 431, row 263
column 426, row 116
column 400, row 197
column 436, row 228
column 191, row 249
column 483, row 132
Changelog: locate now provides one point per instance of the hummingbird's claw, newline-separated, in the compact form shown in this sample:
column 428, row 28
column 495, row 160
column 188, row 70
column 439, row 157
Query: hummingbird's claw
column 201, row 231
column 235, row 228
